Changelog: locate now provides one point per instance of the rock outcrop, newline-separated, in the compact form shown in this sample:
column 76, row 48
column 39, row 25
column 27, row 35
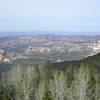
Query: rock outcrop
column 3, row 57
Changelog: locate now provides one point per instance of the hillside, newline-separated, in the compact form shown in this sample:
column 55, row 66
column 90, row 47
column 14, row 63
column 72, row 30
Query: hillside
column 4, row 67
column 93, row 61
column 56, row 48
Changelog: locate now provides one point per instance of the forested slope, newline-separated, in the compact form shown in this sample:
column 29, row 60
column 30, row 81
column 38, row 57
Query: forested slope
column 93, row 61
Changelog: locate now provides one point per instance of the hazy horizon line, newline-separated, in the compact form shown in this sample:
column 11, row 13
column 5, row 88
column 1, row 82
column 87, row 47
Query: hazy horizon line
column 34, row 33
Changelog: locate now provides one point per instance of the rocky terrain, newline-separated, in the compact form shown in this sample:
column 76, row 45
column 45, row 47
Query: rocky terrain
column 48, row 47
column 4, row 57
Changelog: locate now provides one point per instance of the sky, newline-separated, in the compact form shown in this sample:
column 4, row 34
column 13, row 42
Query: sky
column 50, row 15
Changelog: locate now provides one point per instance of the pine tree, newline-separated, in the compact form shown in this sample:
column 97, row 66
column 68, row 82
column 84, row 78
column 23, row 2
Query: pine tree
column 69, row 73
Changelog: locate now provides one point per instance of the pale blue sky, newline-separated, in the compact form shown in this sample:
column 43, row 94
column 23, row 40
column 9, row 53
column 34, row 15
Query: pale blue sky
column 50, row 15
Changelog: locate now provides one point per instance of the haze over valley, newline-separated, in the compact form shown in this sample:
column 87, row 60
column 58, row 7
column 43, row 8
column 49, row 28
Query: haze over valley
column 39, row 48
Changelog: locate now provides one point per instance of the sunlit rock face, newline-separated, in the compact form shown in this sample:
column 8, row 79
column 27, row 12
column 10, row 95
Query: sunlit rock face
column 95, row 47
column 3, row 57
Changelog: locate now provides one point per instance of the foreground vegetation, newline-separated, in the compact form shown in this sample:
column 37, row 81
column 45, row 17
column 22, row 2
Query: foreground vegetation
column 44, row 83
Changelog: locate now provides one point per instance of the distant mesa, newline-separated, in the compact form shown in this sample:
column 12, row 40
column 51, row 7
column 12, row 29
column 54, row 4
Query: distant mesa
column 31, row 49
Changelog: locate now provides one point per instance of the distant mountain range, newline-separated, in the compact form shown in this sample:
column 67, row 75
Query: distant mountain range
column 3, row 34
column 56, row 48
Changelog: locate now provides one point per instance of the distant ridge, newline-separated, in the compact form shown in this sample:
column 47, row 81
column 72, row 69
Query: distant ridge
column 32, row 33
